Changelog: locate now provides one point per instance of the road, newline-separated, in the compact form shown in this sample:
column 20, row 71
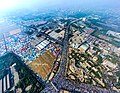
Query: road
column 51, row 38
column 5, row 43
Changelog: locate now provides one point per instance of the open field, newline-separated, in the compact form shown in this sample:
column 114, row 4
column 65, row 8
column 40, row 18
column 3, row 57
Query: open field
column 43, row 64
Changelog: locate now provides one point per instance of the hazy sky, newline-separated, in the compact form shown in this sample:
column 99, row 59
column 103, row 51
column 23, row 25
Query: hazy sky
column 7, row 5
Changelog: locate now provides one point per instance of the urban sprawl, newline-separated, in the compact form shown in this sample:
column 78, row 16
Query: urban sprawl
column 66, row 53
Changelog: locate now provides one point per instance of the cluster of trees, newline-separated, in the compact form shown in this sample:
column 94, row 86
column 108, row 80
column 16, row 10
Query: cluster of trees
column 5, row 62
column 26, row 79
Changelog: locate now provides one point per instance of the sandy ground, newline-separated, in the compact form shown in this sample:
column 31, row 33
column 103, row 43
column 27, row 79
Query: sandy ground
column 43, row 64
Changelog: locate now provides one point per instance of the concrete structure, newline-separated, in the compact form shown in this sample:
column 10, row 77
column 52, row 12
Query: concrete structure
column 15, row 31
column 5, row 83
column 1, row 86
column 42, row 44
column 83, row 47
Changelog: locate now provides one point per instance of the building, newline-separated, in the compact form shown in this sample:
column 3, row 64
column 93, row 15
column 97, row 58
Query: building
column 5, row 84
column 84, row 47
column 42, row 44
column 64, row 91
column 15, row 31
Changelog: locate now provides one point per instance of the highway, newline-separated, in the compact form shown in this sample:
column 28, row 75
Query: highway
column 60, row 82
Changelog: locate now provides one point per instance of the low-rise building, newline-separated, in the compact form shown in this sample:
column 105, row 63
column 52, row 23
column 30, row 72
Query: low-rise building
column 84, row 47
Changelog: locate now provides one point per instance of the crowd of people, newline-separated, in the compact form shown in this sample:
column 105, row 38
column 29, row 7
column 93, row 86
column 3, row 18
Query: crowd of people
column 73, row 87
column 2, row 47
column 61, row 83
column 54, row 49
column 20, row 44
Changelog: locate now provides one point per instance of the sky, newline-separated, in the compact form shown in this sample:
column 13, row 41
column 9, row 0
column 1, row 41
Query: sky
column 10, row 5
